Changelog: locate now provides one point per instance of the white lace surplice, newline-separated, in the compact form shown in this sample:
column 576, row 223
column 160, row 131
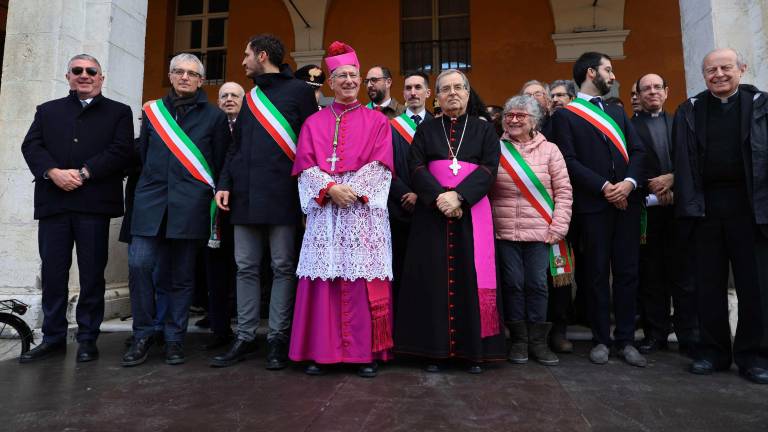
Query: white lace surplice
column 348, row 243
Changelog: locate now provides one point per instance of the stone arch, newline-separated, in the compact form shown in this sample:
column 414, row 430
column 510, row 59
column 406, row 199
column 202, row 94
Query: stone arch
column 308, row 18
column 588, row 25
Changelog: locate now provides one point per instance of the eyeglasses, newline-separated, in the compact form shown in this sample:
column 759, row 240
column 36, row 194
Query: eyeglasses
column 373, row 80
column 558, row 95
column 345, row 76
column 456, row 87
column 180, row 73
column 713, row 70
column 537, row 94
column 657, row 87
column 226, row 96
column 78, row 70
column 516, row 116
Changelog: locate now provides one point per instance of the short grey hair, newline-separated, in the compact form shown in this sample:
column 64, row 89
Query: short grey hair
column 232, row 83
column 535, row 82
column 527, row 103
column 187, row 57
column 570, row 87
column 449, row 72
column 87, row 57
column 739, row 58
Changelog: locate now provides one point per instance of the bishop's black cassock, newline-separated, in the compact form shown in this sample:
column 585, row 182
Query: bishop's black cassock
column 439, row 310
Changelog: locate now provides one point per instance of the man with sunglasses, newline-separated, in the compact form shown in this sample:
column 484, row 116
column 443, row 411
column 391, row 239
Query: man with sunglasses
column 77, row 149
column 378, row 83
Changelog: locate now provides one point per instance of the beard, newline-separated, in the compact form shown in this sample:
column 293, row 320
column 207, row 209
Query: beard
column 601, row 85
column 376, row 95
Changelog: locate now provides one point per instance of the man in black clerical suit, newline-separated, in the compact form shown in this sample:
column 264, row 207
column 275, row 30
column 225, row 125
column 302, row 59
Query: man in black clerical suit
column 402, row 199
column 665, row 272
column 720, row 138
column 606, row 169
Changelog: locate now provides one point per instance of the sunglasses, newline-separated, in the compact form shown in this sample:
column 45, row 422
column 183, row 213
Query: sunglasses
column 78, row 70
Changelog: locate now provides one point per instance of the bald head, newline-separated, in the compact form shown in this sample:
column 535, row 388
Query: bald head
column 722, row 69
column 231, row 98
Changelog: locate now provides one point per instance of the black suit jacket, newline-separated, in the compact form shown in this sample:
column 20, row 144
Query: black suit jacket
column 652, row 159
column 401, row 180
column 592, row 159
column 65, row 135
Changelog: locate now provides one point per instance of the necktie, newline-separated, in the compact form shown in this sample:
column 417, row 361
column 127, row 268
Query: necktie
column 598, row 101
column 416, row 119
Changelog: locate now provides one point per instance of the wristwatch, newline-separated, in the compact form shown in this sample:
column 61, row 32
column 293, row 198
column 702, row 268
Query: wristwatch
column 83, row 175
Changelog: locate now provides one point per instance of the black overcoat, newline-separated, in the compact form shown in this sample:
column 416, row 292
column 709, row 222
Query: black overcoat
column 166, row 191
column 66, row 135
column 257, row 172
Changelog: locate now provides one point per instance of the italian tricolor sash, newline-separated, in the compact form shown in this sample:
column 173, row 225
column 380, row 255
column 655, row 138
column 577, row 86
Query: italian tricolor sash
column 560, row 255
column 405, row 126
column 273, row 121
column 187, row 153
column 602, row 121
column 369, row 105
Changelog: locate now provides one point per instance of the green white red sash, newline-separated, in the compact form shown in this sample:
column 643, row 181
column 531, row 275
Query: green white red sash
column 560, row 255
column 405, row 126
column 273, row 121
column 187, row 153
column 369, row 105
column 602, row 121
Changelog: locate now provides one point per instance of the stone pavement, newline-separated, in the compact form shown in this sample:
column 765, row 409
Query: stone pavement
column 58, row 394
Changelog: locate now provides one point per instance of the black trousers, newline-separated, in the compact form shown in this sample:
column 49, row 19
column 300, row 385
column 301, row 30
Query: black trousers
column 220, row 271
column 718, row 242
column 666, row 277
column 609, row 243
column 400, row 231
column 57, row 234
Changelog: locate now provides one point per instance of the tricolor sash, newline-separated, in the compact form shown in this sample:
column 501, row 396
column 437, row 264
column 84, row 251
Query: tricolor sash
column 482, row 242
column 560, row 255
column 273, row 121
column 186, row 152
column 405, row 126
column 369, row 105
column 602, row 121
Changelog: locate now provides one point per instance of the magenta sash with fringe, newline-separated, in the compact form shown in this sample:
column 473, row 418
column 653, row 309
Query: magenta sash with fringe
column 485, row 253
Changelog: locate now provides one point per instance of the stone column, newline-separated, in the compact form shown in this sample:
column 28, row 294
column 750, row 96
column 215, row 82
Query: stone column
column 710, row 24
column 308, row 18
column 41, row 36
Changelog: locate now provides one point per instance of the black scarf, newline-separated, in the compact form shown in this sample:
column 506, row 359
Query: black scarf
column 182, row 104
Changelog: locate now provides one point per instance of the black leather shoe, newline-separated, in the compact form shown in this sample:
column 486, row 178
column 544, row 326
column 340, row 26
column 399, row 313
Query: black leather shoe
column 314, row 369
column 702, row 367
column 203, row 322
column 475, row 369
column 651, row 344
column 137, row 353
column 87, row 351
column 432, row 368
column 757, row 375
column 128, row 341
column 369, row 370
column 43, row 351
column 216, row 341
column 174, row 353
column 239, row 351
column 277, row 355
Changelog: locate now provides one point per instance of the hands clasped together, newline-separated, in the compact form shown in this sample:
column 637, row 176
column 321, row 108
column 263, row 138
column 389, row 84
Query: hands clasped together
column 661, row 186
column 66, row 179
column 617, row 193
column 449, row 204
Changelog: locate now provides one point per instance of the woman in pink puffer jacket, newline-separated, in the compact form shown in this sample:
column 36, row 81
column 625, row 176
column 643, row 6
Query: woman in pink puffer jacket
column 523, row 236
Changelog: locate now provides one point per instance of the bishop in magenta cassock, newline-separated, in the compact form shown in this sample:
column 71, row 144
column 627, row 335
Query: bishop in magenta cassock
column 343, row 311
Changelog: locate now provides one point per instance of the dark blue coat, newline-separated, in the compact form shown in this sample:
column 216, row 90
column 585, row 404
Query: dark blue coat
column 592, row 159
column 257, row 172
column 65, row 135
column 401, row 179
column 166, row 191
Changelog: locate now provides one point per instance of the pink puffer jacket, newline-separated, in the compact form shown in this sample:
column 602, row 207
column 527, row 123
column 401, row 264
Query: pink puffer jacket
column 514, row 218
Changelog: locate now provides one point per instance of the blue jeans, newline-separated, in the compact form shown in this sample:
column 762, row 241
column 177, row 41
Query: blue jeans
column 172, row 260
column 524, row 268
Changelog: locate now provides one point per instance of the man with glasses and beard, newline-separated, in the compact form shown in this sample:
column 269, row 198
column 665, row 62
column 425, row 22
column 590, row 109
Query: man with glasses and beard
column 77, row 149
column 378, row 82
column 605, row 162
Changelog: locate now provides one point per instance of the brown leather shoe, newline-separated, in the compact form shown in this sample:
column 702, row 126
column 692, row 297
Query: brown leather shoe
column 558, row 342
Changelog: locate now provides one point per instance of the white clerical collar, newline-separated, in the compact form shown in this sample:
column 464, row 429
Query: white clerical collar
column 725, row 99
column 422, row 114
